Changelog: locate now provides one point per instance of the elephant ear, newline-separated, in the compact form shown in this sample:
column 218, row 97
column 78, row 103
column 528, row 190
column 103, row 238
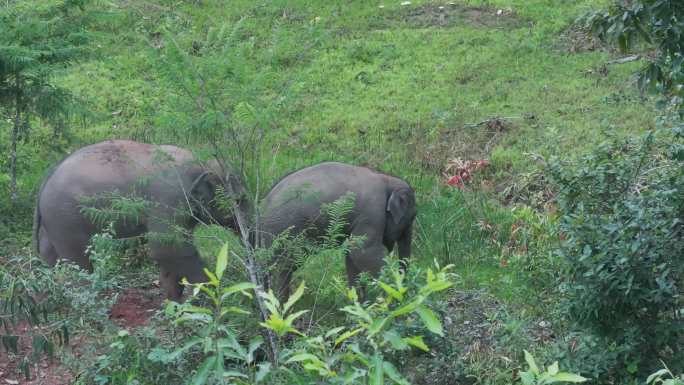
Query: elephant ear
column 204, row 187
column 398, row 204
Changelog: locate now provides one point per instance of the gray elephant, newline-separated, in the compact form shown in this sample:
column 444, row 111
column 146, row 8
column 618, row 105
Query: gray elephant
column 176, row 189
column 384, row 210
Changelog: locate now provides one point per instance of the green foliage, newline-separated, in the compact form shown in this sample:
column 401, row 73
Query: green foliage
column 358, row 353
column 280, row 319
column 126, row 362
column 23, row 299
column 54, row 302
column 659, row 23
column 213, row 335
column 621, row 212
column 112, row 207
column 665, row 377
column 36, row 44
column 552, row 375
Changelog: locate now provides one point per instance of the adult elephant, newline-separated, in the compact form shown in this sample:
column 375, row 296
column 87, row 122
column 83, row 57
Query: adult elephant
column 383, row 212
column 175, row 189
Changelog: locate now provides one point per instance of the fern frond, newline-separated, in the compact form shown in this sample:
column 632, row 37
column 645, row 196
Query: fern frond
column 337, row 213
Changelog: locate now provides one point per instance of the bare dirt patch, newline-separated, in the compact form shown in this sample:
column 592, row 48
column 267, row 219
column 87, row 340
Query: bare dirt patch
column 135, row 306
column 452, row 14
column 44, row 372
column 577, row 39
column 471, row 141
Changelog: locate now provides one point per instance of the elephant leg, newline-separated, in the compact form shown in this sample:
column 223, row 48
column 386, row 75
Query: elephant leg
column 170, row 284
column 175, row 262
column 368, row 258
column 73, row 247
column 46, row 249
column 282, row 287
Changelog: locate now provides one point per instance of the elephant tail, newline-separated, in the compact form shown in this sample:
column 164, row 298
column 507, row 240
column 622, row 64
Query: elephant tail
column 36, row 226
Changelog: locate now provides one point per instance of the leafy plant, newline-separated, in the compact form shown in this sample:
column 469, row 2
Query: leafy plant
column 213, row 335
column 35, row 45
column 552, row 374
column 374, row 332
column 621, row 210
column 665, row 377
column 659, row 23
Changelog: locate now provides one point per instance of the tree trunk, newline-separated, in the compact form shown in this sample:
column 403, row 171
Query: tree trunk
column 13, row 152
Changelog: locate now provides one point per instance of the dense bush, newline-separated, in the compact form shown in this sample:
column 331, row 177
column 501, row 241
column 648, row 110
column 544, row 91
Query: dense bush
column 622, row 208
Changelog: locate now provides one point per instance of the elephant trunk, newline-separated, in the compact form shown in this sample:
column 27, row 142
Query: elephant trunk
column 404, row 245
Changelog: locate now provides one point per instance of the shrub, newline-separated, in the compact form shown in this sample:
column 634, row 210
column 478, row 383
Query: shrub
column 621, row 214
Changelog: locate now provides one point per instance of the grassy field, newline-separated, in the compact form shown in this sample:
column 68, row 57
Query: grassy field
column 401, row 88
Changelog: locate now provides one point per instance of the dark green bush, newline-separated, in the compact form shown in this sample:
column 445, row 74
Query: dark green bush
column 622, row 208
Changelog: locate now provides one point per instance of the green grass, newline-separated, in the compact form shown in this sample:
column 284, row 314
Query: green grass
column 390, row 87
column 355, row 82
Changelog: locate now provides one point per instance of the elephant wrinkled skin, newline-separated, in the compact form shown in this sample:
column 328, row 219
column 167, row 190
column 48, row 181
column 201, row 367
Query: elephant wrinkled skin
column 384, row 210
column 178, row 191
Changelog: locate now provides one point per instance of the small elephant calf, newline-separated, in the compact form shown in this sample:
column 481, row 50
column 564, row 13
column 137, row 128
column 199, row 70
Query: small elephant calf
column 384, row 211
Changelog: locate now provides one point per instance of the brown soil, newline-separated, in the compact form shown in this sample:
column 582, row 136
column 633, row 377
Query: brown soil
column 577, row 39
column 44, row 372
column 134, row 307
column 451, row 14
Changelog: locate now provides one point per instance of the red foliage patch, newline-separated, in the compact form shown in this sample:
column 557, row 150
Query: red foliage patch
column 458, row 171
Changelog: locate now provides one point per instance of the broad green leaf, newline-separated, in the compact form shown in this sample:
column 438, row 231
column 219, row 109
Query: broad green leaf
column 203, row 372
column 567, row 377
column 417, row 341
column 233, row 309
column 271, row 302
column 530, row 361
column 352, row 296
column 657, row 374
column 294, row 316
column 222, row 261
column 377, row 376
column 303, row 357
column 394, row 374
column 358, row 311
column 391, row 291
column 253, row 346
column 264, row 370
column 234, row 374
column 347, row 334
column 527, row 378
column 239, row 287
column 376, row 326
column 553, row 369
column 196, row 309
column 205, row 318
column 176, row 353
column 408, row 308
column 334, row 331
column 395, row 339
column 213, row 280
column 430, row 320
column 294, row 297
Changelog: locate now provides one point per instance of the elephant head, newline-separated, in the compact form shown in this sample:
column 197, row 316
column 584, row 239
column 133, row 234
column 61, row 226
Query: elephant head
column 401, row 211
column 221, row 200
